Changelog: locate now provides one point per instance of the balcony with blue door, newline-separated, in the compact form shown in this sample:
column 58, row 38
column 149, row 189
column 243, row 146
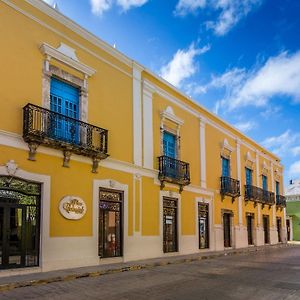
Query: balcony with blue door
column 228, row 186
column 171, row 169
column 280, row 202
column 60, row 127
column 42, row 126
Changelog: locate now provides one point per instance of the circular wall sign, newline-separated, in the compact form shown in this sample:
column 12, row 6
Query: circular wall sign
column 72, row 207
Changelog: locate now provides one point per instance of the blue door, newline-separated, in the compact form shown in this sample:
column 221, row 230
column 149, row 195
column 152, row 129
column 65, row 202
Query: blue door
column 64, row 99
column 225, row 167
column 264, row 182
column 277, row 188
column 248, row 176
column 169, row 144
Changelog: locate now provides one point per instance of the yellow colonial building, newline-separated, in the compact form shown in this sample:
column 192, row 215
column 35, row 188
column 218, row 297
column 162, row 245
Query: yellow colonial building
column 104, row 161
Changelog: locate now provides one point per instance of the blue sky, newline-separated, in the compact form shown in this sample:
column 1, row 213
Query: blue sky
column 238, row 58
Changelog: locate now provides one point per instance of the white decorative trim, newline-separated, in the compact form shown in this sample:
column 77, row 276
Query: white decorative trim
column 265, row 168
column 202, row 153
column 169, row 114
column 137, row 116
column 106, row 184
column 50, row 52
column 226, row 145
column 148, row 126
column 44, row 180
column 68, row 51
column 238, row 164
column 257, row 169
column 248, row 157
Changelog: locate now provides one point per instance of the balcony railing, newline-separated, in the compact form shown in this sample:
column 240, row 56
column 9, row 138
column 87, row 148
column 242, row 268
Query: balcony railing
column 259, row 195
column 44, row 127
column 174, row 171
column 230, row 187
column 280, row 201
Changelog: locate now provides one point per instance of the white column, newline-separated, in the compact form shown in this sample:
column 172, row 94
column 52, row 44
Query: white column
column 273, row 190
column 137, row 114
column 258, row 185
column 148, row 91
column 202, row 153
column 238, row 166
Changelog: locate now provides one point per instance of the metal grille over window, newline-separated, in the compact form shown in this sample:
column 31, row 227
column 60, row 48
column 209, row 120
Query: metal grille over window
column 110, row 223
column 19, row 222
column 170, row 243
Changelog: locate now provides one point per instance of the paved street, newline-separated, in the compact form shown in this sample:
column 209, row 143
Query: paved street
column 274, row 274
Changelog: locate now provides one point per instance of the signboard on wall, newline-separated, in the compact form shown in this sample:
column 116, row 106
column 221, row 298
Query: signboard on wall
column 72, row 207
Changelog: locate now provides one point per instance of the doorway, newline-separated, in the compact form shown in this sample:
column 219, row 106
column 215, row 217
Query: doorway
column 266, row 229
column 250, row 222
column 110, row 223
column 227, row 229
column 19, row 223
column 203, row 225
column 170, row 240
column 278, row 222
column 288, row 228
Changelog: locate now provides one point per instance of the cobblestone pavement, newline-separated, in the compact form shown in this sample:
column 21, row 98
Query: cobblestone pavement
column 274, row 274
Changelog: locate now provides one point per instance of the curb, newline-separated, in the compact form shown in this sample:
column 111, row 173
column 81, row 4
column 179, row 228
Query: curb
column 171, row 261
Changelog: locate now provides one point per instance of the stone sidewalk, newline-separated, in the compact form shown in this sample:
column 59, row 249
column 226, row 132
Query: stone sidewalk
column 12, row 282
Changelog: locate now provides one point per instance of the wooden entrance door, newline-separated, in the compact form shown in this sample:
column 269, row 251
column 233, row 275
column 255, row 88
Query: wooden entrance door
column 170, row 243
column 203, row 225
column 266, row 229
column 110, row 223
column 278, row 222
column 250, row 229
column 227, row 229
column 288, row 228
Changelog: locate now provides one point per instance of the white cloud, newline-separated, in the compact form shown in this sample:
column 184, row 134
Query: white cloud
column 271, row 112
column 230, row 11
column 282, row 144
column 128, row 4
column 246, row 126
column 100, row 6
column 184, row 7
column 295, row 150
column 295, row 169
column 279, row 76
column 182, row 65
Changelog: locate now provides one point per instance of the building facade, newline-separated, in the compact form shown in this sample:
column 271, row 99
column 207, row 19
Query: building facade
column 292, row 195
column 104, row 161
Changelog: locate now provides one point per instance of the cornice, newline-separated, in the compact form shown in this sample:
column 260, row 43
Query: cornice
column 59, row 17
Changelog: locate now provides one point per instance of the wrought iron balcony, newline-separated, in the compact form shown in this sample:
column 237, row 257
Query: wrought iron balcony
column 280, row 201
column 230, row 187
column 174, row 171
column 258, row 195
column 44, row 127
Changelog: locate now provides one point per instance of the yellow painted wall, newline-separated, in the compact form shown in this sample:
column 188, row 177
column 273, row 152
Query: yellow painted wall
column 189, row 131
column 150, row 208
column 110, row 91
column 68, row 181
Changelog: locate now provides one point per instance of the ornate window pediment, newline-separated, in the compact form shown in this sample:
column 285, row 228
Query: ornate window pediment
column 169, row 114
column 277, row 174
column 265, row 168
column 249, row 160
column 67, row 56
column 226, row 149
